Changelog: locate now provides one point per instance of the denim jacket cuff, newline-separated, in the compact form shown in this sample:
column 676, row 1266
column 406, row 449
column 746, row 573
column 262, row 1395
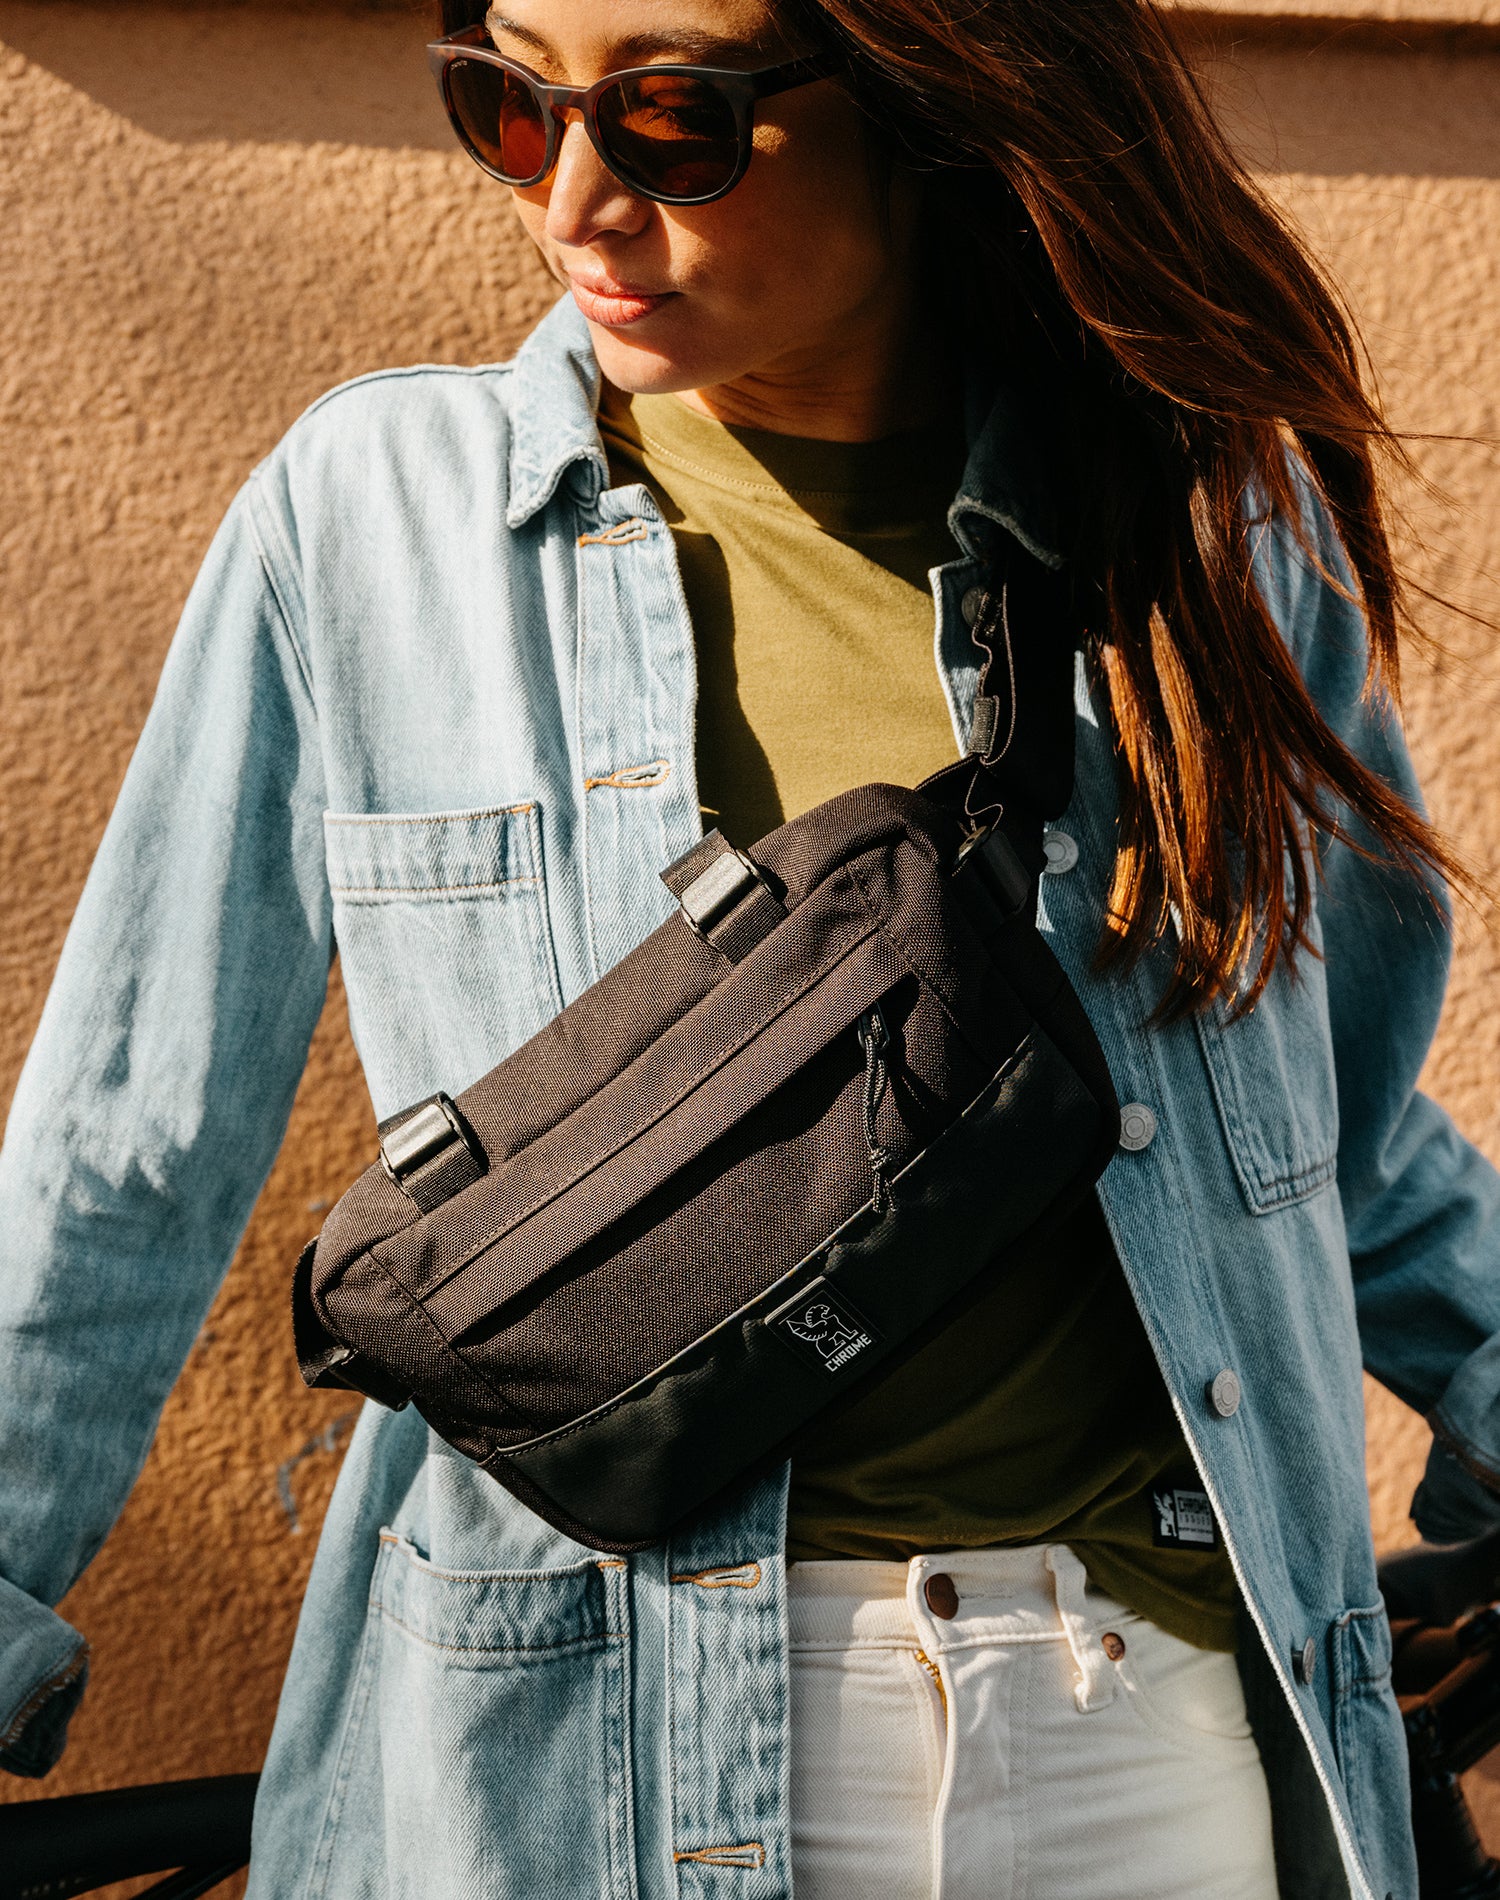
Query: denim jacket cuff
column 44, row 1666
column 1456, row 1498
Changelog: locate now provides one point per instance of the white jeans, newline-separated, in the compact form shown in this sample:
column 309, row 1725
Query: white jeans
column 1041, row 1742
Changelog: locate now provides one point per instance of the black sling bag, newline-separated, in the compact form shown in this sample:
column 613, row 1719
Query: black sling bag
column 781, row 1144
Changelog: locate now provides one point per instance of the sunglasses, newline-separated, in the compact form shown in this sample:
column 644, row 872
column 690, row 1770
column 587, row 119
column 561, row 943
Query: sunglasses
column 680, row 135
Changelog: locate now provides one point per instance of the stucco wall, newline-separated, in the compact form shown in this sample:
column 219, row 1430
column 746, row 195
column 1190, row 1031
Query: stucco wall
column 208, row 216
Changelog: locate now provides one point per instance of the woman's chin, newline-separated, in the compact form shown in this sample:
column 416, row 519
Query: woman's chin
column 649, row 366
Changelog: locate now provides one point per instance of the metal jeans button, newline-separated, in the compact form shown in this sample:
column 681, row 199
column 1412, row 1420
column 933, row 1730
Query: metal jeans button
column 942, row 1595
column 970, row 605
column 1224, row 1393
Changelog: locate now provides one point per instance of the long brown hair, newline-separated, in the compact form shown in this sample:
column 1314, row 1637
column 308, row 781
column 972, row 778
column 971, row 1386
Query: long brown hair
column 1213, row 371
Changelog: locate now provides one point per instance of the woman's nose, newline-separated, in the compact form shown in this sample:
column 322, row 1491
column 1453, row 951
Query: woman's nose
column 584, row 198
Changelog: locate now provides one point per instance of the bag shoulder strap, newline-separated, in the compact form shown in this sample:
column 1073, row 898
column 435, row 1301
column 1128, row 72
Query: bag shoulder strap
column 991, row 787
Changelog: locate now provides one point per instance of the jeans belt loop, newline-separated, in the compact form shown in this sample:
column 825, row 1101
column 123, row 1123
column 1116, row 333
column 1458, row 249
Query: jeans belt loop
column 1095, row 1687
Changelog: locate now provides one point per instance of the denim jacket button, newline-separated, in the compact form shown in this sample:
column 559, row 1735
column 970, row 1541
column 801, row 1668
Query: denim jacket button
column 1061, row 852
column 969, row 606
column 1305, row 1662
column 1137, row 1127
column 1224, row 1393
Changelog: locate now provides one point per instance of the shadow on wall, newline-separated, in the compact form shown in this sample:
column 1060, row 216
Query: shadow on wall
column 189, row 74
column 267, row 74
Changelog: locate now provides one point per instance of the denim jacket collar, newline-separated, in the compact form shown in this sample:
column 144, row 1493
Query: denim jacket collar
column 1010, row 480
column 553, row 411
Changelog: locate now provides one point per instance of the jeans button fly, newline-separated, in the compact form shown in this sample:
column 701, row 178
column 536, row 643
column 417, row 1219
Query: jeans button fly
column 941, row 1595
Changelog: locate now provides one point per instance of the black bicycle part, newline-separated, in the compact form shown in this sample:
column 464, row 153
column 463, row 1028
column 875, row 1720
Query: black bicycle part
column 198, row 1832
column 1446, row 1673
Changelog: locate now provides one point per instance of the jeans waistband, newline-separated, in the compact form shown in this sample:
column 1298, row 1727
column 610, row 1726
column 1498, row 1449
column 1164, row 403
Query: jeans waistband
column 952, row 1600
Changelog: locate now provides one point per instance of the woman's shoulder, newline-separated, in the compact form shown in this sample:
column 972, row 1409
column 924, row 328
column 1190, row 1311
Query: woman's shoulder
column 419, row 437
column 409, row 424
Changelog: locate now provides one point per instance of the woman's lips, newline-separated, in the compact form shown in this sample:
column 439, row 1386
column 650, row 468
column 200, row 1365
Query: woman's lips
column 615, row 305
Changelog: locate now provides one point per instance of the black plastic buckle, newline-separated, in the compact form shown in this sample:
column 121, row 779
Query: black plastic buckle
column 417, row 1152
column 714, row 893
column 418, row 1135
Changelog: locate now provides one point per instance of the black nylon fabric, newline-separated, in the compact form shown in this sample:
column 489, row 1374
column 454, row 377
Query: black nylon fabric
column 685, row 1143
column 724, row 1103
column 1001, row 1169
column 749, row 1014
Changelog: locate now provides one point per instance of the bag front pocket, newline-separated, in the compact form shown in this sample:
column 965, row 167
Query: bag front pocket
column 441, row 923
column 488, row 1751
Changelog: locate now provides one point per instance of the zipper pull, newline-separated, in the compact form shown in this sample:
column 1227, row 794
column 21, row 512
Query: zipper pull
column 875, row 1039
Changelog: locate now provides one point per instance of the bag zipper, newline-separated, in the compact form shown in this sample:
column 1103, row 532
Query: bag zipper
column 875, row 1039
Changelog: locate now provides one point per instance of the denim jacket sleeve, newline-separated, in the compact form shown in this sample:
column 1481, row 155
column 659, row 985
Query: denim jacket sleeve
column 153, row 1101
column 1421, row 1204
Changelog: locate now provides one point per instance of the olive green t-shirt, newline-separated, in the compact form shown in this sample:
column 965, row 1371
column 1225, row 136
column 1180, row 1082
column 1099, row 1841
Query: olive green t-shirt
column 1041, row 1416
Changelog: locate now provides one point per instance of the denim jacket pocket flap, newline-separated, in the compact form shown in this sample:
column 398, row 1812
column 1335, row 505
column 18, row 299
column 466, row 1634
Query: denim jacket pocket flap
column 446, row 854
column 484, row 1750
column 441, row 921
column 1367, row 1735
column 1361, row 1651
column 487, row 1618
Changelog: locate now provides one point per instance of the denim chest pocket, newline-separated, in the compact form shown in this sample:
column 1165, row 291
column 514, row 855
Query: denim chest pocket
column 485, row 1745
column 441, row 924
column 1272, row 1076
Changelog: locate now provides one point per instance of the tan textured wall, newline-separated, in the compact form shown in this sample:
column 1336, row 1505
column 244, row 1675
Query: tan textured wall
column 208, row 216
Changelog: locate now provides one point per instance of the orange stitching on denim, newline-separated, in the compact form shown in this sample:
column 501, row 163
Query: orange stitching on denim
column 632, row 778
column 750, row 1854
column 424, row 817
column 394, row 891
column 635, row 529
column 589, row 1641
column 48, row 1687
column 726, row 1577
column 393, row 1540
column 611, row 1563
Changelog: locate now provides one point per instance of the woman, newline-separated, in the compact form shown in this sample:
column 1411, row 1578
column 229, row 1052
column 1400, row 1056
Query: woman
column 1082, row 1600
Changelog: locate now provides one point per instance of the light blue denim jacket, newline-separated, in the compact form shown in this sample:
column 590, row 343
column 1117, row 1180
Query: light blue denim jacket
column 432, row 703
